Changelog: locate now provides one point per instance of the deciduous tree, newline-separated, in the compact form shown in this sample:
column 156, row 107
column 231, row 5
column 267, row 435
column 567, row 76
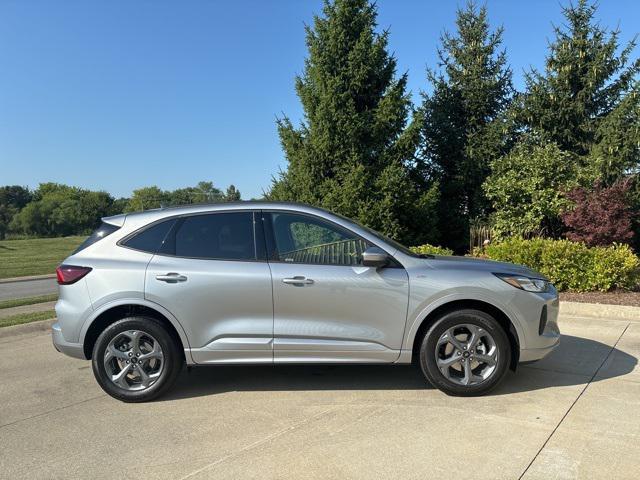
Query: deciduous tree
column 601, row 216
column 12, row 199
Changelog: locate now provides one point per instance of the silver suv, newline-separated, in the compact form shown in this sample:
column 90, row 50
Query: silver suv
column 257, row 282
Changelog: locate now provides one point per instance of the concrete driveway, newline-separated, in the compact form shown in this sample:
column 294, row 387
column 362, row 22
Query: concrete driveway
column 574, row 415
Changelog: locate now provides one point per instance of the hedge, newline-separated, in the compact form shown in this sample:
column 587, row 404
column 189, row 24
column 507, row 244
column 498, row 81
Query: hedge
column 431, row 250
column 572, row 265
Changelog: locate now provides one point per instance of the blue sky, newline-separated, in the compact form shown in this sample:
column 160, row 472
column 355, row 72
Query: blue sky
column 122, row 94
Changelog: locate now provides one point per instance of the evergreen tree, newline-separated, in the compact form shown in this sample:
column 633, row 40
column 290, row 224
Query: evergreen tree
column 354, row 152
column 586, row 100
column 464, row 123
column 583, row 110
column 232, row 194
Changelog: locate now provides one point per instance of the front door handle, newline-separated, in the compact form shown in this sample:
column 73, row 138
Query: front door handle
column 297, row 280
column 171, row 277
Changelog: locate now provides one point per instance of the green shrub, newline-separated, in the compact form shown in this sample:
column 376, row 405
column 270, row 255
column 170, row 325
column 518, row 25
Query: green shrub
column 572, row 265
column 431, row 250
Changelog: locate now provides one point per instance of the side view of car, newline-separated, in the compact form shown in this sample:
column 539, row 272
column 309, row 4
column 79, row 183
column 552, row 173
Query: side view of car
column 268, row 282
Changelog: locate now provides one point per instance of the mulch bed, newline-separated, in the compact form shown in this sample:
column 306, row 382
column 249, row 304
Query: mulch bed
column 617, row 297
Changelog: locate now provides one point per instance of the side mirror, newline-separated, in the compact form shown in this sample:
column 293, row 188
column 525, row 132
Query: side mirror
column 375, row 257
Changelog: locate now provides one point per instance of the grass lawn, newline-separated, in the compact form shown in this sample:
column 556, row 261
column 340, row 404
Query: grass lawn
column 26, row 318
column 19, row 302
column 35, row 256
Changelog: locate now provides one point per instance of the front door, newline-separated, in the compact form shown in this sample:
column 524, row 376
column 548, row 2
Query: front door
column 210, row 276
column 327, row 306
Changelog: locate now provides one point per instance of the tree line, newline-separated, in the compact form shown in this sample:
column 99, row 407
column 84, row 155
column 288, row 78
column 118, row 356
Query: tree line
column 476, row 150
column 54, row 209
column 558, row 159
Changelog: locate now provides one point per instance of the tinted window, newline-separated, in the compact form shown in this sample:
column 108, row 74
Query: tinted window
column 222, row 236
column 102, row 231
column 150, row 239
column 306, row 239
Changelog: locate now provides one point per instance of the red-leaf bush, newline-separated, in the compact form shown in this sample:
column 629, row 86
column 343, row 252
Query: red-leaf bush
column 602, row 216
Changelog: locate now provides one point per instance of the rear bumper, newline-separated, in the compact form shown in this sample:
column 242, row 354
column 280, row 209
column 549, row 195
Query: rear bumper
column 72, row 349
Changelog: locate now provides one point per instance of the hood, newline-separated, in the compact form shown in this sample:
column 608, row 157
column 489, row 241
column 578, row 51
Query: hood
column 479, row 264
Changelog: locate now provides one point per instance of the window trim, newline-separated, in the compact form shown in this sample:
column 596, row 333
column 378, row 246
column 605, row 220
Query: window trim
column 272, row 248
column 126, row 238
column 258, row 235
column 84, row 245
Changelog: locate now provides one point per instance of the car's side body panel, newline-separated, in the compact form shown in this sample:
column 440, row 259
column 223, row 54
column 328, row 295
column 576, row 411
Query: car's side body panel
column 433, row 287
column 139, row 301
column 348, row 313
column 226, row 307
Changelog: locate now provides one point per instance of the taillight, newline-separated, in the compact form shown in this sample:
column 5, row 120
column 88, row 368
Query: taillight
column 68, row 274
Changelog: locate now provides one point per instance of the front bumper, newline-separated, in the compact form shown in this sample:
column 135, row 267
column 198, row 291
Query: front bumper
column 535, row 354
column 72, row 349
column 543, row 333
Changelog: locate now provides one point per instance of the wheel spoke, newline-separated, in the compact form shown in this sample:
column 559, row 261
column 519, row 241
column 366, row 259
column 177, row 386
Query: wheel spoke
column 468, row 374
column 447, row 362
column 488, row 359
column 144, row 378
column 147, row 379
column 120, row 377
column 476, row 334
column 135, row 340
column 155, row 353
column 450, row 337
column 113, row 352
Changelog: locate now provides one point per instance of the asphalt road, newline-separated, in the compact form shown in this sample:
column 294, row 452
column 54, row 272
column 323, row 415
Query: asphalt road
column 29, row 288
column 576, row 414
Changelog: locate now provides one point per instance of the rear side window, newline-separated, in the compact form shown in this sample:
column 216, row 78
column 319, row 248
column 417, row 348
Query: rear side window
column 215, row 236
column 151, row 238
column 102, row 231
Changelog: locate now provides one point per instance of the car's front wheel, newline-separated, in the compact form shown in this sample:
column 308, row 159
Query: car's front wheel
column 135, row 359
column 465, row 353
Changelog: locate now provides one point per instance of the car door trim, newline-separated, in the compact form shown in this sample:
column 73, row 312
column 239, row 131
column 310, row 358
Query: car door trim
column 272, row 249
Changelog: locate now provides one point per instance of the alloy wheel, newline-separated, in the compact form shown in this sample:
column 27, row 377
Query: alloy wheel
column 466, row 354
column 133, row 360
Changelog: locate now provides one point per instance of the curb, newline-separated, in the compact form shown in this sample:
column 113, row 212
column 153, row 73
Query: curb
column 600, row 310
column 27, row 279
column 16, row 330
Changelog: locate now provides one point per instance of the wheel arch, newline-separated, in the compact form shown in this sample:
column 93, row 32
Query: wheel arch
column 113, row 312
column 460, row 304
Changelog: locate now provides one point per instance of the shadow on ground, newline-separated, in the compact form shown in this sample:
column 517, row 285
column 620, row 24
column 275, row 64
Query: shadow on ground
column 574, row 362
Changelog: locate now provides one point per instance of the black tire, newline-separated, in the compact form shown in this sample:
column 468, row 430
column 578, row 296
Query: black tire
column 427, row 357
column 171, row 357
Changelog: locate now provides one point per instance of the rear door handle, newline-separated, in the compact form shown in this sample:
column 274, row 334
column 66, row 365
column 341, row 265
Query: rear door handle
column 171, row 277
column 297, row 280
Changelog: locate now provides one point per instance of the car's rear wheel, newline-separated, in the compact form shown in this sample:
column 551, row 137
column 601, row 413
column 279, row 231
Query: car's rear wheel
column 135, row 359
column 465, row 353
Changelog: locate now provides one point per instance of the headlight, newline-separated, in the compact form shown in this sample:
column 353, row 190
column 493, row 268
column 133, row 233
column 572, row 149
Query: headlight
column 537, row 285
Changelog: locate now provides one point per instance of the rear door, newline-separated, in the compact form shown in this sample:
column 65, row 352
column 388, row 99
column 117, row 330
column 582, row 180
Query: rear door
column 327, row 306
column 211, row 274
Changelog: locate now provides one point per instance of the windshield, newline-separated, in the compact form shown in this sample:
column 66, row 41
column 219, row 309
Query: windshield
column 392, row 242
